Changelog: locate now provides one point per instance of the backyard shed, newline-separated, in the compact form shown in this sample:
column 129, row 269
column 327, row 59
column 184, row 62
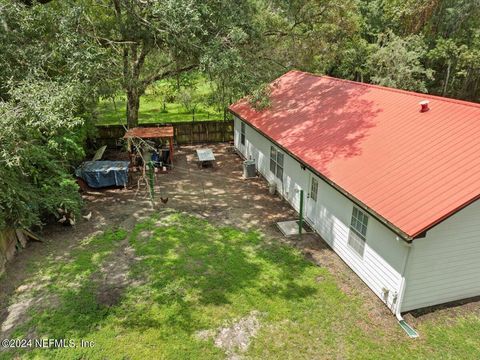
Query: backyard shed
column 392, row 180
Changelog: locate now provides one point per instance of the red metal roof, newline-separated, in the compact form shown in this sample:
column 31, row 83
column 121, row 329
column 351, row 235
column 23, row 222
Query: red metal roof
column 150, row 132
column 413, row 169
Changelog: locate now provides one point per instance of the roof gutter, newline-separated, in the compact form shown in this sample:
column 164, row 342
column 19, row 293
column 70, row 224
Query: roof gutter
column 404, row 236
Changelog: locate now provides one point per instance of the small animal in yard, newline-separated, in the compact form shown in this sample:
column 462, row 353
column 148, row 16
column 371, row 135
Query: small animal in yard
column 164, row 200
column 66, row 217
column 88, row 216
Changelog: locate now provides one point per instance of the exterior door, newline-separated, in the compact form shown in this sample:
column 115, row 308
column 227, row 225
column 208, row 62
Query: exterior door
column 312, row 199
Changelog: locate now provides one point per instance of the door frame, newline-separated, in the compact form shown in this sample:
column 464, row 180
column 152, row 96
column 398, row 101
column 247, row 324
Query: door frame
column 311, row 219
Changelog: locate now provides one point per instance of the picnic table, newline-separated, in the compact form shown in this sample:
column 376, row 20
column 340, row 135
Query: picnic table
column 205, row 157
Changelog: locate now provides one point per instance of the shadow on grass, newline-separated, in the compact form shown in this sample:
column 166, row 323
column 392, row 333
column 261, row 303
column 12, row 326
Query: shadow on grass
column 188, row 275
column 192, row 265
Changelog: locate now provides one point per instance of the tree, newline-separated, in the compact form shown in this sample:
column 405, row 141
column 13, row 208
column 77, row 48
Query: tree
column 161, row 39
column 305, row 34
column 397, row 62
column 51, row 76
column 446, row 53
column 352, row 60
column 41, row 136
column 469, row 72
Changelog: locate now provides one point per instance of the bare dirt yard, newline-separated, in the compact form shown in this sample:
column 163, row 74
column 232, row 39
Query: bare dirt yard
column 222, row 197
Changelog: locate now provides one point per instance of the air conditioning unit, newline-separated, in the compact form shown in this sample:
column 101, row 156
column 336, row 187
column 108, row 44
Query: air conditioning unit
column 249, row 169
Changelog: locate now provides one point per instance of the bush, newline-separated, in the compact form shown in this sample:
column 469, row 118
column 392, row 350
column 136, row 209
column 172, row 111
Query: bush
column 42, row 135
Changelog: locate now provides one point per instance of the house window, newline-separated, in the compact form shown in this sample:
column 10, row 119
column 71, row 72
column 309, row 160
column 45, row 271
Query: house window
column 276, row 162
column 314, row 189
column 358, row 231
column 242, row 133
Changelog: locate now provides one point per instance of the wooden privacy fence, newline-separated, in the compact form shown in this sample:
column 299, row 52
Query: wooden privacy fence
column 184, row 132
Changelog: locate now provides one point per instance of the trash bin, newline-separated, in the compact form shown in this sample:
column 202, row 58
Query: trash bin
column 249, row 169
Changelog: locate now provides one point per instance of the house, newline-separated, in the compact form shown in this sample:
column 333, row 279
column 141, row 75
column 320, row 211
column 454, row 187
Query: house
column 391, row 178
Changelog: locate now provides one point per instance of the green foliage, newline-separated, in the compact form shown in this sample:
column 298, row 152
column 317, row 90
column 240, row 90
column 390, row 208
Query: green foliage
column 379, row 41
column 449, row 29
column 260, row 97
column 392, row 43
column 397, row 62
column 50, row 80
column 41, row 135
column 157, row 40
column 306, row 34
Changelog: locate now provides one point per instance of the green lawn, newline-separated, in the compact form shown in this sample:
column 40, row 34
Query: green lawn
column 151, row 112
column 151, row 108
column 191, row 276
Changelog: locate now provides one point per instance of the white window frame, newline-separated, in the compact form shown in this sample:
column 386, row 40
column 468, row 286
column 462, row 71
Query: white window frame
column 313, row 189
column 277, row 159
column 358, row 231
column 242, row 133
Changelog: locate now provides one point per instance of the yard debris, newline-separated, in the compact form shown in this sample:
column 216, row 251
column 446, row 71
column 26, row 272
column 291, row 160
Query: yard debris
column 22, row 239
column 99, row 153
column 235, row 338
column 32, row 235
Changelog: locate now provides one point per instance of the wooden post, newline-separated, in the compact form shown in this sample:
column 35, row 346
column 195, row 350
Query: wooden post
column 171, row 152
column 151, row 174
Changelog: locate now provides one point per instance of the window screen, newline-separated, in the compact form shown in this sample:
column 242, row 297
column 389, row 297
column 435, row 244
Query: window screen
column 358, row 231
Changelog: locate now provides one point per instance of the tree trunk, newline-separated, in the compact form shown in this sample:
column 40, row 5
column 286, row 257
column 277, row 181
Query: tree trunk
column 133, row 105
column 447, row 78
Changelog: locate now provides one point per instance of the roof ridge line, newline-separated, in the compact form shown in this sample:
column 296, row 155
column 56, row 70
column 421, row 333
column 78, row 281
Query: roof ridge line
column 406, row 92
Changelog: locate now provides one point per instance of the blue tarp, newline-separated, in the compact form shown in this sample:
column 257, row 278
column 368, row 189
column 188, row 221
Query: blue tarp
column 104, row 173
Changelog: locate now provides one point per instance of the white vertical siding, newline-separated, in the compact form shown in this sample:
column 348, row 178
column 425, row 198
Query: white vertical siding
column 384, row 256
column 445, row 265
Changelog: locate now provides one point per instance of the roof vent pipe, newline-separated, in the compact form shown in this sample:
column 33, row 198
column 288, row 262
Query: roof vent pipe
column 424, row 106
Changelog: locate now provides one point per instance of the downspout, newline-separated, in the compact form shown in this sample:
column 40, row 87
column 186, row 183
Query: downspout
column 403, row 324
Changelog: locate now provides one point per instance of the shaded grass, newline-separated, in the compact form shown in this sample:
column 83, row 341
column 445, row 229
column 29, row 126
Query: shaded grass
column 191, row 276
